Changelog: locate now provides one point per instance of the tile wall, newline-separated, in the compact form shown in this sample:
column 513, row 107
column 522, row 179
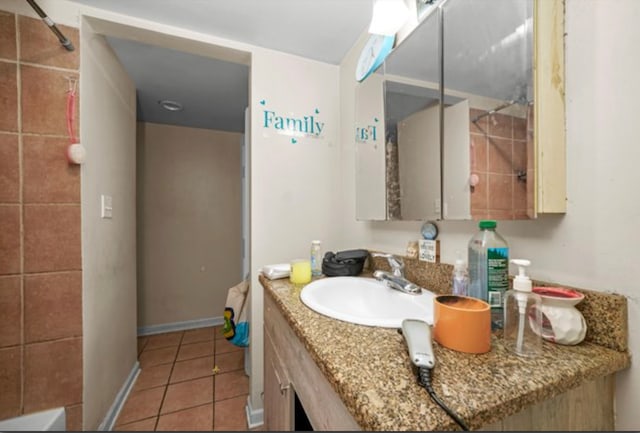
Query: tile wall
column 499, row 152
column 40, row 257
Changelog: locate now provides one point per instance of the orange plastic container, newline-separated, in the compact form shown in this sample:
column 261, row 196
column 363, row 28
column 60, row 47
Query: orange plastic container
column 462, row 323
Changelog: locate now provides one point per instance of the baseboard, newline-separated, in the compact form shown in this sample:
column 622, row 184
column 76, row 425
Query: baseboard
column 255, row 417
column 180, row 326
column 110, row 419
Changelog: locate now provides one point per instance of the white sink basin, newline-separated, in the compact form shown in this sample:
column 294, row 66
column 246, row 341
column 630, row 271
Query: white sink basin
column 366, row 301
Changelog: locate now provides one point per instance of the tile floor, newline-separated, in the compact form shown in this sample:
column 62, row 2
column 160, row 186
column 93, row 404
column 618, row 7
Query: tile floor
column 177, row 388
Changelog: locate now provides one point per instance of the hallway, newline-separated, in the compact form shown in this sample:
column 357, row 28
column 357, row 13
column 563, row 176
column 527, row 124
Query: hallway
column 189, row 381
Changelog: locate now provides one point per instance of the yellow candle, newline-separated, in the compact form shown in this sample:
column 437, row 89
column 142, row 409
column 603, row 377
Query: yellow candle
column 300, row 271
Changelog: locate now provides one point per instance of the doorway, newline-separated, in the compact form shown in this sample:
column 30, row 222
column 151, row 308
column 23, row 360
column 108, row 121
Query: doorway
column 190, row 135
column 111, row 265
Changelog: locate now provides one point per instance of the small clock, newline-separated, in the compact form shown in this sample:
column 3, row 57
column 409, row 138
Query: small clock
column 429, row 230
column 373, row 54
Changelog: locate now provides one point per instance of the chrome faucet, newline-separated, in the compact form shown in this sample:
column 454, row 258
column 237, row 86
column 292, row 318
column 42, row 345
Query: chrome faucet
column 396, row 263
column 395, row 279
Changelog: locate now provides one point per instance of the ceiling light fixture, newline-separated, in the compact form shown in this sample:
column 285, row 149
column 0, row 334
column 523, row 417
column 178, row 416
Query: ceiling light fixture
column 171, row 105
column 388, row 17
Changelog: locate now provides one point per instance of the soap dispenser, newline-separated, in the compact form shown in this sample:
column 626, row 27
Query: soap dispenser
column 522, row 315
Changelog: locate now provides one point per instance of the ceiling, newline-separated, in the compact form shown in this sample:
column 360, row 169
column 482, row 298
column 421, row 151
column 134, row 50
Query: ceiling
column 214, row 92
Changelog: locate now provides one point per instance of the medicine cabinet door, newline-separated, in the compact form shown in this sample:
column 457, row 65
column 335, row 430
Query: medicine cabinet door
column 488, row 63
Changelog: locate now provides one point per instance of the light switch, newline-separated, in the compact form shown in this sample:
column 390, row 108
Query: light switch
column 106, row 206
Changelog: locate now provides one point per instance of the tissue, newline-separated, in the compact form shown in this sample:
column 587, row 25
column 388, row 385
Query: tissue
column 276, row 271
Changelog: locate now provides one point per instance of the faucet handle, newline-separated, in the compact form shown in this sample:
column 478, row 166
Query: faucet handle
column 396, row 263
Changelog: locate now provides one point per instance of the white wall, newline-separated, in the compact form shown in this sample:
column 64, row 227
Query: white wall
column 295, row 188
column 60, row 11
column 370, row 166
column 419, row 163
column 457, row 161
column 189, row 222
column 595, row 244
column 108, row 113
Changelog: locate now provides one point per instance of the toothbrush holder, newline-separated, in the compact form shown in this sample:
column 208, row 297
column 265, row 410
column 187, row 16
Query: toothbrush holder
column 462, row 323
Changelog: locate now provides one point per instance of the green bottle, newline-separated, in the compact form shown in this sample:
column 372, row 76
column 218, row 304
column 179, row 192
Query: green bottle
column 489, row 269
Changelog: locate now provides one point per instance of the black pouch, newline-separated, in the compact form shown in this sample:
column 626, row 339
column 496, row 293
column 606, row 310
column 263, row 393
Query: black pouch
column 344, row 263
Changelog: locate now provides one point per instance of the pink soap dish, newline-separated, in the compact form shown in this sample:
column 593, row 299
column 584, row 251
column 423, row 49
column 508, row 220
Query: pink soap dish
column 557, row 295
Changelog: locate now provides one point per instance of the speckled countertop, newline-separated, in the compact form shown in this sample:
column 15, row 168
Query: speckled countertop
column 369, row 369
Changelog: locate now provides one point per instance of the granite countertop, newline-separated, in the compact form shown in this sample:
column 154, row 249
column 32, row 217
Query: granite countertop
column 369, row 369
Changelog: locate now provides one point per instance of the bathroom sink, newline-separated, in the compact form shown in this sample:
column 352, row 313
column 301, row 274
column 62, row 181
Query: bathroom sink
column 366, row 301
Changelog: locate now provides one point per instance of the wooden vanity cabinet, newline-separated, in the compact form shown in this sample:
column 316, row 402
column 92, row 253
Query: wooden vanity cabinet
column 289, row 370
column 278, row 392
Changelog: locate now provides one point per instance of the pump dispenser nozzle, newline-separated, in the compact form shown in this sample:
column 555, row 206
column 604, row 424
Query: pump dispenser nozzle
column 522, row 282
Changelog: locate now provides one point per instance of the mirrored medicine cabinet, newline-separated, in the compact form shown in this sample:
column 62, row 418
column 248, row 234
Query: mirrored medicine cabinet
column 465, row 118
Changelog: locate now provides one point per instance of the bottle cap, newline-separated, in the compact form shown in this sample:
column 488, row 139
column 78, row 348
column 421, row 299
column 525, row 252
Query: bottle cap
column 460, row 264
column 487, row 224
column 522, row 282
column 315, row 242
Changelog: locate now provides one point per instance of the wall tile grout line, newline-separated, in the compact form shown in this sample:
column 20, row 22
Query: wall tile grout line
column 55, row 68
column 52, row 204
column 166, row 387
column 21, row 216
column 213, row 384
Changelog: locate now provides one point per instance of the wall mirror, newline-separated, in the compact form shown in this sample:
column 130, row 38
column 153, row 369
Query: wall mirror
column 486, row 162
column 398, row 174
column 488, row 146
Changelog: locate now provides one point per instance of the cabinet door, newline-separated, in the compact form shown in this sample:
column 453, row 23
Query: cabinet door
column 278, row 392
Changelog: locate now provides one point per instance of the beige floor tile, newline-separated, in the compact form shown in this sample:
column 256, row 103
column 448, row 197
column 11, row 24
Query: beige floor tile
column 218, row 332
column 195, row 350
column 160, row 341
column 188, row 394
column 223, row 346
column 149, row 358
column 148, row 424
column 230, row 415
column 151, row 377
column 198, row 418
column 229, row 385
column 192, row 369
column 175, row 389
column 231, row 361
column 198, row 335
column 141, row 405
column 142, row 341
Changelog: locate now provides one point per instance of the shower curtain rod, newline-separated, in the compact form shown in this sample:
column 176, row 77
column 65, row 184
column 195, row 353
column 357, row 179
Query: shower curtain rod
column 499, row 108
column 49, row 22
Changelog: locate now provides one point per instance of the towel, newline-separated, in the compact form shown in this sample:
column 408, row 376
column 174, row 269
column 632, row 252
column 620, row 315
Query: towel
column 236, row 327
column 273, row 272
